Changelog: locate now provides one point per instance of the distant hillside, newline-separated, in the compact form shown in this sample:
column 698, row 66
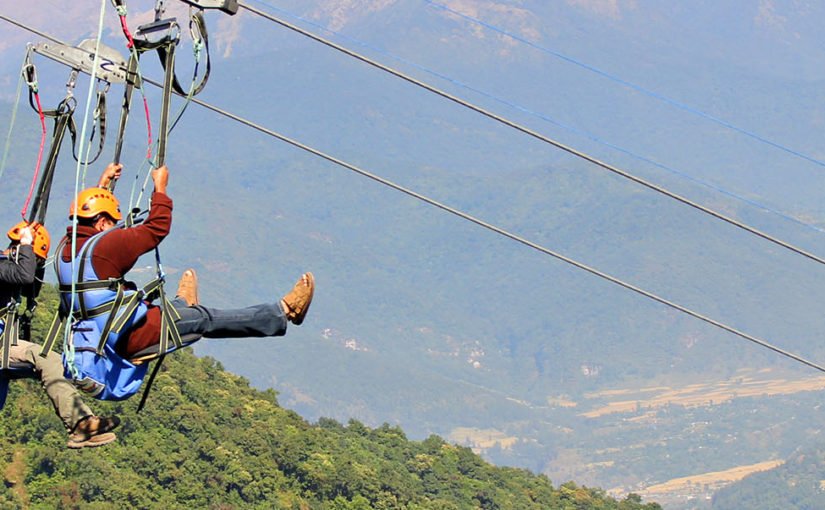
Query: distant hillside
column 207, row 440
column 798, row 484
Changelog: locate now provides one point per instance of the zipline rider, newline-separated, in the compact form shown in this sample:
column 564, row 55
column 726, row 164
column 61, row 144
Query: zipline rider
column 18, row 265
column 105, row 252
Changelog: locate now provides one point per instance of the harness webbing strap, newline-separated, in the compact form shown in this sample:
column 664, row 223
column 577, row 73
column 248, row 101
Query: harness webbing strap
column 41, row 198
column 100, row 110
column 114, row 307
column 84, row 258
column 149, row 383
column 58, row 322
column 62, row 313
column 130, row 306
column 196, row 23
column 167, row 53
column 168, row 328
column 125, row 106
column 93, row 312
column 110, row 283
column 9, row 337
column 200, row 25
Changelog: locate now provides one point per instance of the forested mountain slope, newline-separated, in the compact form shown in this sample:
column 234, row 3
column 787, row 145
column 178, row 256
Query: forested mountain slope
column 208, row 440
column 795, row 485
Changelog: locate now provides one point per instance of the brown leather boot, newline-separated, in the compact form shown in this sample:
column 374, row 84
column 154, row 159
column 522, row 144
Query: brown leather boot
column 297, row 302
column 93, row 431
column 188, row 287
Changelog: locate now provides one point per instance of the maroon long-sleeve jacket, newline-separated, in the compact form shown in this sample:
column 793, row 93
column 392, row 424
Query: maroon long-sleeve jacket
column 116, row 253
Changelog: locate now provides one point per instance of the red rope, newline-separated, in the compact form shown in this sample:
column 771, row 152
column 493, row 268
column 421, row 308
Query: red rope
column 39, row 156
column 148, row 127
column 126, row 31
column 129, row 44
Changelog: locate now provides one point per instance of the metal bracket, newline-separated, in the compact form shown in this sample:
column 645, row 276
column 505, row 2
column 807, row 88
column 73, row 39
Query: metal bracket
column 111, row 65
column 157, row 25
column 228, row 6
column 160, row 23
column 160, row 9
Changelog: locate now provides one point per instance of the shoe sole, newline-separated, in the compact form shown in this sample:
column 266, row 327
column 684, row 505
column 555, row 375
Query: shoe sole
column 94, row 441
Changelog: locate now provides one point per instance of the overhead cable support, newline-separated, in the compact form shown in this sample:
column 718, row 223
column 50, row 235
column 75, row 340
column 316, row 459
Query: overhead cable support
column 483, row 224
column 537, row 135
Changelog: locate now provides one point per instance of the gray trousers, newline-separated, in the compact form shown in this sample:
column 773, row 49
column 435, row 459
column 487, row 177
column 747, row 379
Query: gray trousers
column 68, row 404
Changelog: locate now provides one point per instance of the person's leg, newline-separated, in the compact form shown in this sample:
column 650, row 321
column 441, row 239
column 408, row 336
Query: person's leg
column 67, row 402
column 84, row 428
column 253, row 321
column 269, row 319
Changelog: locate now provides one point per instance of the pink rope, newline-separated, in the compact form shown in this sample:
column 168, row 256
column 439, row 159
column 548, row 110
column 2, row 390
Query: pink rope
column 126, row 32
column 129, row 44
column 148, row 127
column 39, row 156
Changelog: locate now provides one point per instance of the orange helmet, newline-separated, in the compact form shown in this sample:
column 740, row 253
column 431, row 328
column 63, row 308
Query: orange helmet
column 94, row 201
column 42, row 240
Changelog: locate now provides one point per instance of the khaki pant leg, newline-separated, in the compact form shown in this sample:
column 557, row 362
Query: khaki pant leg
column 68, row 404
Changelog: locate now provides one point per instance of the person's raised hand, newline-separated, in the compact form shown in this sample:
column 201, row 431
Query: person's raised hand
column 161, row 176
column 26, row 236
column 111, row 173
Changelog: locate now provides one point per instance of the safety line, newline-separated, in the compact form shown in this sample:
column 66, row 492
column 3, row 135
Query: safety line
column 68, row 344
column 7, row 146
column 499, row 231
column 630, row 84
column 39, row 155
column 547, row 119
column 133, row 53
column 536, row 135
column 31, row 80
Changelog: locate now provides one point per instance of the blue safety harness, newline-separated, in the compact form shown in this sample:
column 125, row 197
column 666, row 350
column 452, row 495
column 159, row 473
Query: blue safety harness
column 102, row 311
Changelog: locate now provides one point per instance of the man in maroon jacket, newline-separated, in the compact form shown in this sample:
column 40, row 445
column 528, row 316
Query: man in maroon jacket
column 116, row 253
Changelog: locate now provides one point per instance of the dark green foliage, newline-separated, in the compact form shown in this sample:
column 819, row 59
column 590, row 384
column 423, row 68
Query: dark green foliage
column 208, row 440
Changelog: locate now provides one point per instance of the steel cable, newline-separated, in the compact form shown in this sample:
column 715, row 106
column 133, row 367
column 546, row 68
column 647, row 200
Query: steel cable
column 488, row 226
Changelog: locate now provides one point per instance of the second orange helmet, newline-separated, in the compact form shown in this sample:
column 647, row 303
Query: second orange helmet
column 42, row 239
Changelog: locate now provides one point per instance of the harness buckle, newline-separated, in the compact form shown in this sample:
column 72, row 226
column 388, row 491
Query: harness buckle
column 70, row 83
column 30, row 75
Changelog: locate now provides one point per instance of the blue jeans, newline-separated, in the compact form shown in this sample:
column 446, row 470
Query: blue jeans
column 253, row 321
